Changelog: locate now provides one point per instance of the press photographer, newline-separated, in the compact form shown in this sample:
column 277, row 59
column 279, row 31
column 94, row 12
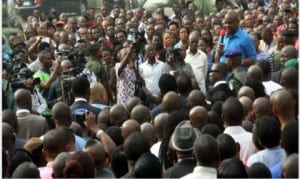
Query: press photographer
column 138, row 41
column 72, row 65
column 61, row 87
column 46, row 76
column 12, row 78
column 39, row 104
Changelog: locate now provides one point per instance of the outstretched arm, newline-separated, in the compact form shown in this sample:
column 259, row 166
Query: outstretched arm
column 108, row 143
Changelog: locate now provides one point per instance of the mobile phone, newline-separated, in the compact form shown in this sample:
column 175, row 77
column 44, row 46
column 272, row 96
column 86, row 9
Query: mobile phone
column 79, row 116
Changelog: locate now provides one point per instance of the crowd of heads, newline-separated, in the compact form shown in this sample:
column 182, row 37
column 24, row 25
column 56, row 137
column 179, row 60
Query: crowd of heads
column 138, row 94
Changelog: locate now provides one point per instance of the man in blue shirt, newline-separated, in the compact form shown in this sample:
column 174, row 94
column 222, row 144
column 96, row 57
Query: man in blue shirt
column 235, row 38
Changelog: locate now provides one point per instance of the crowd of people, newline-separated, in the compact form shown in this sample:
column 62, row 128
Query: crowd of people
column 129, row 93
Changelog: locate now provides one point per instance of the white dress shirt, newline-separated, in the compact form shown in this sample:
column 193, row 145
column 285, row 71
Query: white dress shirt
column 201, row 172
column 151, row 74
column 244, row 138
column 271, row 86
column 199, row 65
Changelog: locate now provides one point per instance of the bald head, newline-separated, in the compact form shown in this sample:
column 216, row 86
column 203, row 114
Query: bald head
column 103, row 116
column 22, row 98
column 141, row 114
column 98, row 153
column 98, row 93
column 231, row 21
column 66, row 65
column 56, row 141
column 9, row 116
column 290, row 167
column 171, row 102
column 246, row 103
column 262, row 106
column 160, row 121
column 128, row 127
column 289, row 51
column 26, row 170
column 283, row 105
column 132, row 102
column 246, row 91
column 117, row 114
column 196, row 98
column 232, row 111
column 289, row 78
column 59, row 164
column 62, row 114
column 198, row 117
column 149, row 131
column 232, row 14
column 7, row 136
column 255, row 72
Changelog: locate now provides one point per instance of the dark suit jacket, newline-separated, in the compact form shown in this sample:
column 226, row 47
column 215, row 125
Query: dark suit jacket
column 220, row 92
column 82, row 105
column 276, row 76
column 85, row 105
column 182, row 168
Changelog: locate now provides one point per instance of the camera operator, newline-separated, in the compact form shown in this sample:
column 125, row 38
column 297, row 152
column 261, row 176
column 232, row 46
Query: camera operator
column 81, row 51
column 20, row 57
column 45, row 75
column 7, row 91
column 11, row 73
column 36, row 64
column 126, row 74
column 39, row 104
column 61, row 87
column 42, row 31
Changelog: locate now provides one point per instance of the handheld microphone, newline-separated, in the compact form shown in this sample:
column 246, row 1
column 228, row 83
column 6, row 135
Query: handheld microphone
column 222, row 34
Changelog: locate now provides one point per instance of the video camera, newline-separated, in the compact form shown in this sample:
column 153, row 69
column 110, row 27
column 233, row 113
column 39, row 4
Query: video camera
column 20, row 80
column 13, row 66
column 137, row 39
column 77, row 57
column 18, row 71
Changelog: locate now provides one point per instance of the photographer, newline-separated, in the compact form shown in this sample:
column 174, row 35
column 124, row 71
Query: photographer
column 45, row 75
column 7, row 92
column 126, row 74
column 60, row 88
column 39, row 104
column 21, row 58
column 16, row 75
column 79, row 55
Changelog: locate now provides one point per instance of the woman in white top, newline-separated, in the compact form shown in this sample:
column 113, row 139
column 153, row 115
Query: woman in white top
column 126, row 74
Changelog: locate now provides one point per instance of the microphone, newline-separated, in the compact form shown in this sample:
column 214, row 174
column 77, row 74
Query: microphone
column 222, row 34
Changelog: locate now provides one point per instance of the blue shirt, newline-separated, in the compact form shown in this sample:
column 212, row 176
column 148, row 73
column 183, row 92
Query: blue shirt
column 276, row 171
column 239, row 40
column 79, row 143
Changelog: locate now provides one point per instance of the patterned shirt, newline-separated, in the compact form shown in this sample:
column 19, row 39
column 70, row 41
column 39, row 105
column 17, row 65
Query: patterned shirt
column 125, row 83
